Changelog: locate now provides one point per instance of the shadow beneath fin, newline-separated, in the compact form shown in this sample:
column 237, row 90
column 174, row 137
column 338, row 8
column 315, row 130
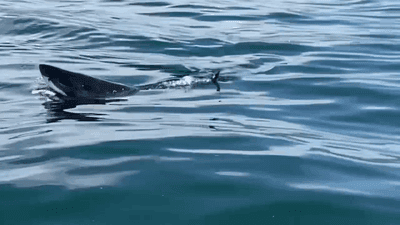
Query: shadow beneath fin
column 56, row 109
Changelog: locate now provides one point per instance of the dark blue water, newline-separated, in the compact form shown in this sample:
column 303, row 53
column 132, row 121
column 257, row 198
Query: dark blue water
column 305, row 129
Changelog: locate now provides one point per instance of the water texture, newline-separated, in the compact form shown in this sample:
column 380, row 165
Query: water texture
column 305, row 129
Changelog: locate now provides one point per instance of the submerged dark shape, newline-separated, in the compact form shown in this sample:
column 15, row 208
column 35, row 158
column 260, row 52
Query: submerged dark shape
column 71, row 86
column 70, row 103
column 56, row 114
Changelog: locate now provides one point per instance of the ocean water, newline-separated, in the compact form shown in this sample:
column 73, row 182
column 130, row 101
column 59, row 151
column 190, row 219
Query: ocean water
column 305, row 129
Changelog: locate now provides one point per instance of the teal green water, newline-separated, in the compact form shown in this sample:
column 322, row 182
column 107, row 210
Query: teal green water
column 305, row 129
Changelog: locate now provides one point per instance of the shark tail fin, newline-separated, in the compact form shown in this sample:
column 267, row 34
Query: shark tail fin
column 214, row 80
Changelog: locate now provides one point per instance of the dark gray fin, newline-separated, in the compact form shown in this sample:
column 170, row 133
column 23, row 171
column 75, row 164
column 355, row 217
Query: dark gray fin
column 67, row 84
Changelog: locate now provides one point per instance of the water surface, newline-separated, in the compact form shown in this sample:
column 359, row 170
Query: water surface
column 305, row 129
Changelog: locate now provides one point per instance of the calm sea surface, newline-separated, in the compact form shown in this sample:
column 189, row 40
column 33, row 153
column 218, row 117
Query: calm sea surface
column 305, row 130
